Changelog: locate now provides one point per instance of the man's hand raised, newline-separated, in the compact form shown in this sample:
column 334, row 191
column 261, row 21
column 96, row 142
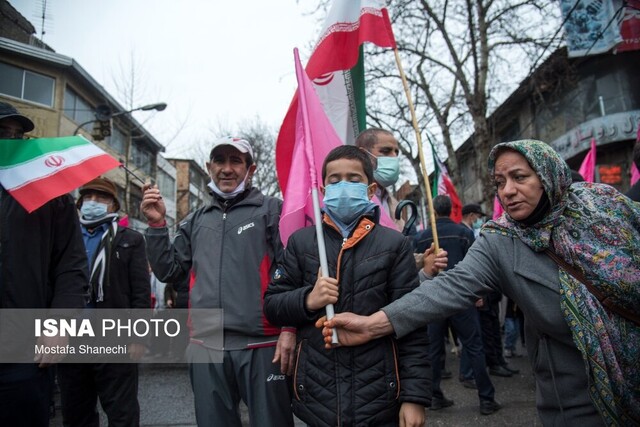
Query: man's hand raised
column 152, row 206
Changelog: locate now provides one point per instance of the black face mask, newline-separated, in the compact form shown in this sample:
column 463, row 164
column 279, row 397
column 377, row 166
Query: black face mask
column 539, row 212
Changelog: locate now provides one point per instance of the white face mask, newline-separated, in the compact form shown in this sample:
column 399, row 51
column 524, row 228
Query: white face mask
column 238, row 190
column 92, row 210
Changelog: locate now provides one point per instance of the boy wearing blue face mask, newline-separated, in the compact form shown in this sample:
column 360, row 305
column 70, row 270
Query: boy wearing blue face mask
column 379, row 383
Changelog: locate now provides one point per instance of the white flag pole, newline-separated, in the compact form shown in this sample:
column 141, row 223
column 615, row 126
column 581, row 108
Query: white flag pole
column 322, row 251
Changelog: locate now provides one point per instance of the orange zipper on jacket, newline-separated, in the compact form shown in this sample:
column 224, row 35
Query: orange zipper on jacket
column 362, row 229
column 295, row 372
column 394, row 349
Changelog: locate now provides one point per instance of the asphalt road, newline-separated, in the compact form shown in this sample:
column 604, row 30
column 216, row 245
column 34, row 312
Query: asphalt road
column 166, row 399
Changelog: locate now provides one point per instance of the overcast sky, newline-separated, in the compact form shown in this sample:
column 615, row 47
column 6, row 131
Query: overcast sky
column 210, row 61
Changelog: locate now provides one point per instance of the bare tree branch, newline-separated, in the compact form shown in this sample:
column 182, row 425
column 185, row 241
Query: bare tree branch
column 462, row 57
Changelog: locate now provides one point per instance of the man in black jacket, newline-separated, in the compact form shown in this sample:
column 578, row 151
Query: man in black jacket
column 42, row 265
column 456, row 239
column 120, row 253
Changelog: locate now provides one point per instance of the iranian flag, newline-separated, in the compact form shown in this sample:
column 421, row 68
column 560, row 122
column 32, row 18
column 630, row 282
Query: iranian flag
column 442, row 185
column 337, row 74
column 35, row 171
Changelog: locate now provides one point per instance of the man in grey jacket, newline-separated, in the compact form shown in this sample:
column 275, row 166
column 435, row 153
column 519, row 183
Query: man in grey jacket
column 229, row 249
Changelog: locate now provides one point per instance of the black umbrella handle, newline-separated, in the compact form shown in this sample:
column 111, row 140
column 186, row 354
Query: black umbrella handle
column 411, row 219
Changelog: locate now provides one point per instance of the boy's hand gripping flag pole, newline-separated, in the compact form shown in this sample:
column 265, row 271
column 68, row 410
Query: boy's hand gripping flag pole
column 303, row 85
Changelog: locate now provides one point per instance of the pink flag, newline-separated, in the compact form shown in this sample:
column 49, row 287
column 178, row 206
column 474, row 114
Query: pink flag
column 315, row 137
column 124, row 221
column 497, row 208
column 635, row 174
column 588, row 166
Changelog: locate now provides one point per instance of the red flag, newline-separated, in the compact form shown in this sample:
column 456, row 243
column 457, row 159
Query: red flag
column 588, row 166
column 124, row 221
column 442, row 185
column 349, row 24
column 315, row 137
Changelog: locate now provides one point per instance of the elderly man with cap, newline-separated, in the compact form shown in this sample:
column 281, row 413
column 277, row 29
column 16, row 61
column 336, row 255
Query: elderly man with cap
column 472, row 217
column 42, row 265
column 230, row 249
column 119, row 278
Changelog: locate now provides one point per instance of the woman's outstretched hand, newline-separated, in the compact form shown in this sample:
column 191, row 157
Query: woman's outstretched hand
column 354, row 329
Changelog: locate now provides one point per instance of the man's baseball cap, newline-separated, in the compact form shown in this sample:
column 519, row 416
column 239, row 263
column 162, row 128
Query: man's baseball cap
column 472, row 208
column 8, row 111
column 242, row 145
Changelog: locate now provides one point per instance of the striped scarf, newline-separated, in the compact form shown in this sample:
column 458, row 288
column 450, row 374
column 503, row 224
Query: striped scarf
column 101, row 261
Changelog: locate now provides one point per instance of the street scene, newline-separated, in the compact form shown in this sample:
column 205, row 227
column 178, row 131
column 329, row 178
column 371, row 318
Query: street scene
column 166, row 399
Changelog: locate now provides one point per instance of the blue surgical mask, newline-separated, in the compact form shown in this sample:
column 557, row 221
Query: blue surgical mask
column 346, row 200
column 388, row 170
column 93, row 210
column 477, row 224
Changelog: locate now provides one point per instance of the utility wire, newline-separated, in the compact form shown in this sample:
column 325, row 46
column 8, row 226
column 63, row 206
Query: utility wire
column 601, row 33
column 560, row 27
column 584, row 57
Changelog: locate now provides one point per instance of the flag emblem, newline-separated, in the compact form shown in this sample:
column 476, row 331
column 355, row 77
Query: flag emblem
column 324, row 79
column 54, row 161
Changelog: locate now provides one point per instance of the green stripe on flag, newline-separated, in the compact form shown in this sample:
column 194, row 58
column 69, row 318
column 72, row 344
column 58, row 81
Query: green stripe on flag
column 357, row 79
column 436, row 172
column 14, row 152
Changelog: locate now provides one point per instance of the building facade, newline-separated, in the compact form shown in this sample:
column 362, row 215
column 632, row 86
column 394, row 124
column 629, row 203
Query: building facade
column 62, row 100
column 566, row 102
column 192, row 191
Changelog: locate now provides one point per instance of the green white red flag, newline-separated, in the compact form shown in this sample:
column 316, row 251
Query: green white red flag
column 442, row 185
column 340, row 88
column 35, row 171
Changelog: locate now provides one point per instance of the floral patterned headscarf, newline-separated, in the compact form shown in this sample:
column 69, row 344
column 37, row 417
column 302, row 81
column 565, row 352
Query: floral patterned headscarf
column 596, row 229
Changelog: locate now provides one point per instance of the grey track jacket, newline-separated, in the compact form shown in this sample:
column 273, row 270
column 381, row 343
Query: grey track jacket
column 231, row 251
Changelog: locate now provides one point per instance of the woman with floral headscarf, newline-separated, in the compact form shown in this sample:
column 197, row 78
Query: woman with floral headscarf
column 586, row 357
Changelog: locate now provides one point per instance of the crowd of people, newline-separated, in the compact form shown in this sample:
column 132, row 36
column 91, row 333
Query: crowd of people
column 562, row 262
